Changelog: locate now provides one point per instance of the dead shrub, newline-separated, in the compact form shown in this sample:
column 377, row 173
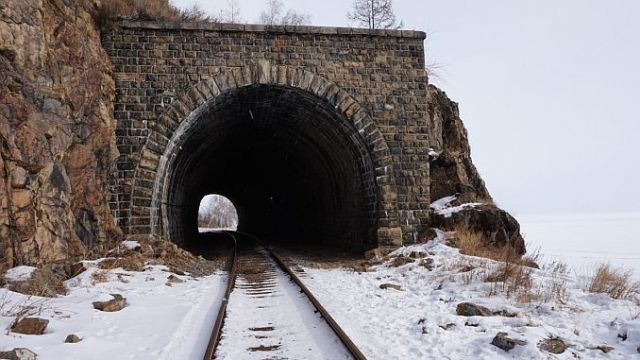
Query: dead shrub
column 618, row 283
column 154, row 10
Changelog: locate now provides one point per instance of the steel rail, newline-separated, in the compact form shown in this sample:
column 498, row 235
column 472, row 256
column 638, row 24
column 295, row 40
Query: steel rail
column 222, row 312
column 344, row 338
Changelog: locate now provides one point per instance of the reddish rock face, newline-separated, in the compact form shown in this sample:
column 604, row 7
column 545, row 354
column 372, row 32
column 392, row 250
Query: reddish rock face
column 57, row 140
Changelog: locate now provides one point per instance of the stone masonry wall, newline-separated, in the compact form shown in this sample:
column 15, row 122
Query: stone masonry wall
column 155, row 63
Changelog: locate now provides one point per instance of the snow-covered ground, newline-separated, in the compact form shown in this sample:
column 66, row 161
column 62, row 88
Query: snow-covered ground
column 417, row 322
column 584, row 240
column 159, row 321
column 420, row 321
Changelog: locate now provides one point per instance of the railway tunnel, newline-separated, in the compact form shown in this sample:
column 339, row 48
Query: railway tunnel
column 296, row 169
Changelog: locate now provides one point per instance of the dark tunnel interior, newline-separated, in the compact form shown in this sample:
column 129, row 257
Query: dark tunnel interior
column 297, row 171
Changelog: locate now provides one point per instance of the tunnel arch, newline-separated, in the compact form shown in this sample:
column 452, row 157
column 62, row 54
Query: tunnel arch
column 346, row 123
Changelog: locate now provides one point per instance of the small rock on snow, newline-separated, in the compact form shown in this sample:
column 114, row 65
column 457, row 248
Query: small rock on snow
column 72, row 338
column 553, row 345
column 172, row 279
column 116, row 304
column 470, row 309
column 426, row 263
column 604, row 348
column 390, row 286
column 506, row 343
column 400, row 260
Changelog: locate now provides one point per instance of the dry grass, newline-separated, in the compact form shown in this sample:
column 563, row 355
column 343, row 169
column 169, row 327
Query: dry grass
column 555, row 288
column 100, row 276
column 517, row 281
column 130, row 262
column 27, row 307
column 158, row 10
column 44, row 282
column 618, row 283
column 512, row 277
column 512, row 280
column 472, row 243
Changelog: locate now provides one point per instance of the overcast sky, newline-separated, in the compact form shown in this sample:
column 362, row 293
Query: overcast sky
column 548, row 91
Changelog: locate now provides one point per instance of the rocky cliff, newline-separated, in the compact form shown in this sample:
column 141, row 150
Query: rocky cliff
column 57, row 139
column 453, row 174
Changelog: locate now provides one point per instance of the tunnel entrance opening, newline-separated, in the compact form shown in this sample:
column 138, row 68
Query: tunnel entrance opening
column 216, row 213
column 298, row 171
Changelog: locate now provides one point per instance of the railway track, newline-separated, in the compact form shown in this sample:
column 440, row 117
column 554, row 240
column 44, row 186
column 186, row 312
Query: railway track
column 268, row 313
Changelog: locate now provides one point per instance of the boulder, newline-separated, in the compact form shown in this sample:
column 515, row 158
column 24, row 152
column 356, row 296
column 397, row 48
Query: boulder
column 506, row 343
column 497, row 227
column 18, row 354
column 30, row 326
column 116, row 304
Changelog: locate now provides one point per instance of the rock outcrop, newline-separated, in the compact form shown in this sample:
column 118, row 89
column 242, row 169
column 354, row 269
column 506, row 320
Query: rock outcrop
column 57, row 138
column 451, row 169
column 453, row 173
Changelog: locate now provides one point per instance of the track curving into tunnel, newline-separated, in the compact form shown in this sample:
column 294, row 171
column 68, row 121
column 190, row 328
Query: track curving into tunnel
column 296, row 169
column 268, row 312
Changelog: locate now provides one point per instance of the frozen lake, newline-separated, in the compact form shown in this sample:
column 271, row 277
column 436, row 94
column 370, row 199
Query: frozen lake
column 585, row 240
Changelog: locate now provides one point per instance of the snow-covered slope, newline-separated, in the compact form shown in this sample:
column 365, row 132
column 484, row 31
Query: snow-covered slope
column 160, row 321
column 420, row 321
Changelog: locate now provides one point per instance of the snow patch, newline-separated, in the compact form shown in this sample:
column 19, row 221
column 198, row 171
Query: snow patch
column 130, row 244
column 442, row 206
column 19, row 273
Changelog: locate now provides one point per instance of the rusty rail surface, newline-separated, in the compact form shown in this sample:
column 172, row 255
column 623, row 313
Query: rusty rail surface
column 217, row 330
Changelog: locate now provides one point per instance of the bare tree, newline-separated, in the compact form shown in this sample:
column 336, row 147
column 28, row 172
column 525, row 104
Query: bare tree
column 232, row 13
column 275, row 15
column 375, row 14
column 217, row 212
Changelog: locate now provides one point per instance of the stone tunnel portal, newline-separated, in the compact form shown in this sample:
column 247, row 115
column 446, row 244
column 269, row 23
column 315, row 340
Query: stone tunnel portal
column 295, row 168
